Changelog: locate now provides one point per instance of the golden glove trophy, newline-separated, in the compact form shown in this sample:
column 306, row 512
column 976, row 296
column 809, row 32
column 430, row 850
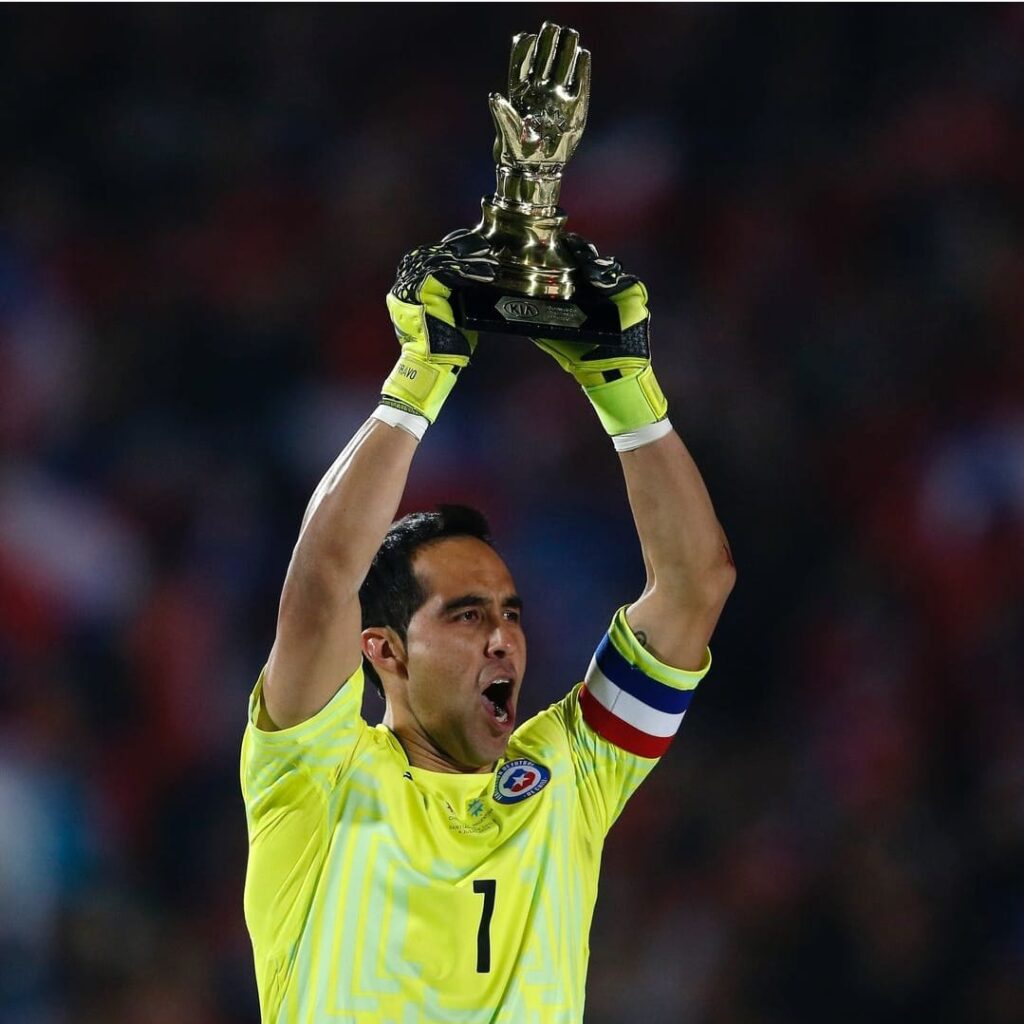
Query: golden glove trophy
column 538, row 290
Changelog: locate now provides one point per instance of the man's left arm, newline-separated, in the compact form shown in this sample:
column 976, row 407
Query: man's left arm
column 690, row 570
column 648, row 665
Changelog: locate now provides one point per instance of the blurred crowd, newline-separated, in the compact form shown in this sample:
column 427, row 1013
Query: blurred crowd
column 201, row 209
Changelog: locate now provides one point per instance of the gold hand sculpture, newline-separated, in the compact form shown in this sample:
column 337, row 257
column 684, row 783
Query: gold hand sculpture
column 542, row 121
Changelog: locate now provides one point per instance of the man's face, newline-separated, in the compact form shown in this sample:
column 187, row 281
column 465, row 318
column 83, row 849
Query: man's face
column 465, row 652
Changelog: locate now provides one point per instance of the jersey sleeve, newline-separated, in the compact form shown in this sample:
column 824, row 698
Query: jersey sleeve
column 622, row 718
column 287, row 781
column 315, row 752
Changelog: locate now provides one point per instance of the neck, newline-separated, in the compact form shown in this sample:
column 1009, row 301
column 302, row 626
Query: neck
column 425, row 752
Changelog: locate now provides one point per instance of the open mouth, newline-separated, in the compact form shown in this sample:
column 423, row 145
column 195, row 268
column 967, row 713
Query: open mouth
column 496, row 700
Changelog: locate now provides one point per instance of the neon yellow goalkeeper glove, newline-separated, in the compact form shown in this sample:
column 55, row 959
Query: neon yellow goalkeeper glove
column 434, row 350
column 618, row 380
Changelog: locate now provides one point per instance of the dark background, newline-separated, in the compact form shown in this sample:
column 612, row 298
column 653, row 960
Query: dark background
column 201, row 209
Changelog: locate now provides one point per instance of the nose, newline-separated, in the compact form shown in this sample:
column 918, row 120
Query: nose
column 501, row 640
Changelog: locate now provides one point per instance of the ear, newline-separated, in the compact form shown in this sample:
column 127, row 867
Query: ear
column 384, row 650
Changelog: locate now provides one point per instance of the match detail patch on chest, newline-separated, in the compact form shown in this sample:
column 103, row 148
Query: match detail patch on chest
column 519, row 779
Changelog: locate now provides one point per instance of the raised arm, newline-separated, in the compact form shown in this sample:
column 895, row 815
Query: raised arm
column 690, row 571
column 318, row 622
column 317, row 645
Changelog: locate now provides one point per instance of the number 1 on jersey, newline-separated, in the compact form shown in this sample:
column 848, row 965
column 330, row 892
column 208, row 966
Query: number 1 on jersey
column 488, row 887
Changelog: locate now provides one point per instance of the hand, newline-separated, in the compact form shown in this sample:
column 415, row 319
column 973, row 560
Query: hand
column 462, row 254
column 542, row 121
column 618, row 379
column 434, row 350
column 590, row 362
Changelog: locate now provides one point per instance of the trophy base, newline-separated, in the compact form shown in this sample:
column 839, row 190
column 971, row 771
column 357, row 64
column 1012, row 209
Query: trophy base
column 588, row 316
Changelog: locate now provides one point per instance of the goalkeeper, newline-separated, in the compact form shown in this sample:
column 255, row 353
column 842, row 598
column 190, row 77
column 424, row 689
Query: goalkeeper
column 443, row 866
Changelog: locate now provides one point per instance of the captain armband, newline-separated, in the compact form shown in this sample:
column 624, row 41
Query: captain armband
column 630, row 698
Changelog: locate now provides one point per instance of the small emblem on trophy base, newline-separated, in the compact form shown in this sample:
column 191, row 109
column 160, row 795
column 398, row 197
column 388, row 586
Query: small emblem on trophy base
column 537, row 311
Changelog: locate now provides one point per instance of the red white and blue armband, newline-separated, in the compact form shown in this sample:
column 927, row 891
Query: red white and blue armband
column 630, row 698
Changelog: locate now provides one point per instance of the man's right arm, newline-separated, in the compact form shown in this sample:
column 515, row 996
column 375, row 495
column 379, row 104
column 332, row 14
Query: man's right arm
column 317, row 645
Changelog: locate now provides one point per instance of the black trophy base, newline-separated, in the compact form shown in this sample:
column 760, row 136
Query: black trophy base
column 588, row 316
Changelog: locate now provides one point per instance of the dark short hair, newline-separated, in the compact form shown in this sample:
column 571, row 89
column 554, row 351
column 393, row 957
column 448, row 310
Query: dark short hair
column 391, row 593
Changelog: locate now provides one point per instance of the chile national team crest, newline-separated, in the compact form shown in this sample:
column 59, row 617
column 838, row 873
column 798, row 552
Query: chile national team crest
column 519, row 779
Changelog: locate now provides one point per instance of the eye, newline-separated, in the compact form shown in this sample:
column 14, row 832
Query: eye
column 469, row 615
column 512, row 615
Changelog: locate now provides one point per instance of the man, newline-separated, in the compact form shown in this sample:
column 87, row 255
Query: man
column 443, row 866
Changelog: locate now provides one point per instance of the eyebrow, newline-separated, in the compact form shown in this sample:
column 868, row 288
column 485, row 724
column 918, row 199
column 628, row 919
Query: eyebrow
column 477, row 600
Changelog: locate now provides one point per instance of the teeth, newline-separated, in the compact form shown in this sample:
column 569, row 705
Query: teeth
column 497, row 706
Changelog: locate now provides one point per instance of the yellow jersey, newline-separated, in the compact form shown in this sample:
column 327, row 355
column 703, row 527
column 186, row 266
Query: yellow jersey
column 381, row 893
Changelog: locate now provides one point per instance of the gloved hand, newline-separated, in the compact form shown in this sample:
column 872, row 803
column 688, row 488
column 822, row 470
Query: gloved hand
column 434, row 350
column 618, row 381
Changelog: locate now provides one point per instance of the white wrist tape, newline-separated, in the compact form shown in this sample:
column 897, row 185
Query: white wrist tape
column 410, row 422
column 644, row 435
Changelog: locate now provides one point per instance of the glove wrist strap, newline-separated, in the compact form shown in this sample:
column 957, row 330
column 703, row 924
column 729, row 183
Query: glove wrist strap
column 418, row 385
column 629, row 403
column 411, row 422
